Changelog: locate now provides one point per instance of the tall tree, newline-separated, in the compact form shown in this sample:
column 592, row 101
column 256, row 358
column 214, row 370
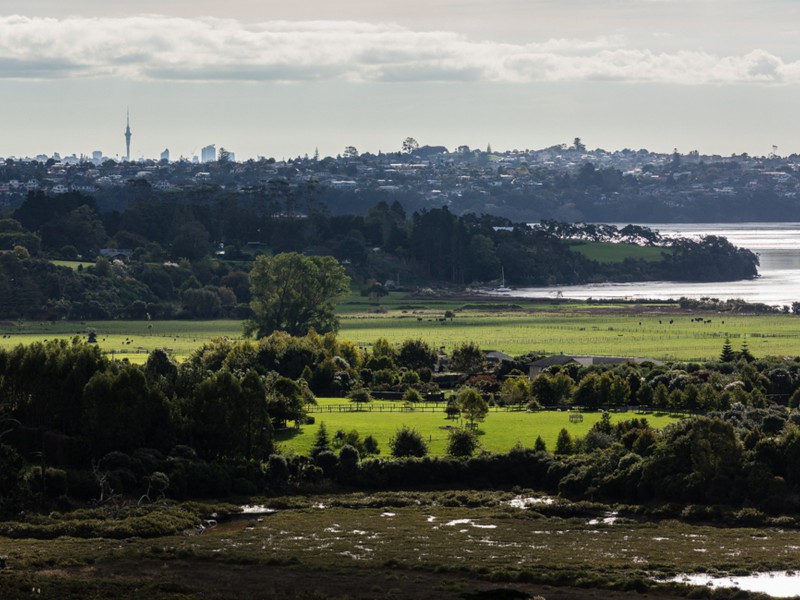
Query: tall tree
column 295, row 293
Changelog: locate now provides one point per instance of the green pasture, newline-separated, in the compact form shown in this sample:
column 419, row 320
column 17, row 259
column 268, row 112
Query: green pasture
column 133, row 340
column 73, row 264
column 620, row 331
column 609, row 252
column 500, row 431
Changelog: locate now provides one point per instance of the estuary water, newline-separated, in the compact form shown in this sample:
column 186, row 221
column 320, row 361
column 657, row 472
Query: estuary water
column 777, row 245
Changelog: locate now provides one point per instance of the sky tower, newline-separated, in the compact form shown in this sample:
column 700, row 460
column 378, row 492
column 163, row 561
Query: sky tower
column 128, row 138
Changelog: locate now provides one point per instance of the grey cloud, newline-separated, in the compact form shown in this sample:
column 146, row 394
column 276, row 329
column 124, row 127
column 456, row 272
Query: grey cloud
column 153, row 47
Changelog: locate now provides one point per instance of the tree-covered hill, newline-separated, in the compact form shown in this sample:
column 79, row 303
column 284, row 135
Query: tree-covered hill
column 188, row 255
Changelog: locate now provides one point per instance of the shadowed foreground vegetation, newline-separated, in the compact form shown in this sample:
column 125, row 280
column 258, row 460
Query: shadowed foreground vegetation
column 446, row 544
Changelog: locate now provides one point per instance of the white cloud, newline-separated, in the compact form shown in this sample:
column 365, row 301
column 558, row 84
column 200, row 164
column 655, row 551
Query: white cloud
column 161, row 48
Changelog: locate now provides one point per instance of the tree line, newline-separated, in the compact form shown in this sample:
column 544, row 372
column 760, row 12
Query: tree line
column 188, row 255
column 74, row 424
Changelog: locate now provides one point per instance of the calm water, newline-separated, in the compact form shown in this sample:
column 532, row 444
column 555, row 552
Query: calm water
column 778, row 247
column 781, row 584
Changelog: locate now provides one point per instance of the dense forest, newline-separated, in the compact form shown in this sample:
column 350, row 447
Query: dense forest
column 188, row 255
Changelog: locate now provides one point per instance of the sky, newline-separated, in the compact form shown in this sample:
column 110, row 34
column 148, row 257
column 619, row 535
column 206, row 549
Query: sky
column 282, row 79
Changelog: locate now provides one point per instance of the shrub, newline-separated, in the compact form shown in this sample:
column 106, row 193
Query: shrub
column 462, row 442
column 371, row 445
column 408, row 442
column 277, row 470
column 327, row 461
column 412, row 395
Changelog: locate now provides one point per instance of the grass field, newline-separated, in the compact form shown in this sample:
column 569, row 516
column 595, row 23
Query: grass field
column 619, row 331
column 609, row 252
column 72, row 264
column 125, row 339
column 498, row 433
column 515, row 326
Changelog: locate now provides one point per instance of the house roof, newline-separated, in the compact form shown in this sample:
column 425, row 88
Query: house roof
column 563, row 359
column 496, row 355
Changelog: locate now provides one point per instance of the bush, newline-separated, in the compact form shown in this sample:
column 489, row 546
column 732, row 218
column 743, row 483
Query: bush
column 277, row 470
column 412, row 395
column 371, row 445
column 327, row 461
column 408, row 442
column 462, row 443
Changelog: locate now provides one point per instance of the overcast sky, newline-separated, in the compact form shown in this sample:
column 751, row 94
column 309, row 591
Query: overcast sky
column 283, row 78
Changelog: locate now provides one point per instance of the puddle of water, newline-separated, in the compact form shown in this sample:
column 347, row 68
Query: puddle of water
column 528, row 501
column 256, row 509
column 388, row 514
column 320, row 505
column 609, row 519
column 468, row 522
column 778, row 584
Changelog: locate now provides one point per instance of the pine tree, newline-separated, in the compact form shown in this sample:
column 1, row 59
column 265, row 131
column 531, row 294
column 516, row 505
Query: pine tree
column 745, row 353
column 727, row 352
column 321, row 441
column 564, row 442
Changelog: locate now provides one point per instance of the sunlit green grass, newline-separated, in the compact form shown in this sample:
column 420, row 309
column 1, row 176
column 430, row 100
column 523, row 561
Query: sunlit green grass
column 126, row 339
column 500, row 431
column 585, row 331
column 658, row 331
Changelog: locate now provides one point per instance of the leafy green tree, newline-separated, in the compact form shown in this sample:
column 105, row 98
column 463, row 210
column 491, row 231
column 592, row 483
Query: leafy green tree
column 295, row 293
column 564, row 444
column 407, row 442
column 462, row 442
column 452, row 409
column 285, row 401
column 588, row 391
column 472, row 405
column 360, row 396
column 121, row 412
column 551, row 389
column 217, row 417
column 257, row 423
column 467, row 357
column 516, row 390
column 416, row 354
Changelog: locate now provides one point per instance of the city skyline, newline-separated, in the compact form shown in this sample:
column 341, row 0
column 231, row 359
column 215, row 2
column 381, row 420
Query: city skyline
column 718, row 77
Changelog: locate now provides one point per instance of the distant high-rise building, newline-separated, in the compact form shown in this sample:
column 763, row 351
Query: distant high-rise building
column 128, row 138
column 165, row 155
column 97, row 157
column 208, row 154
